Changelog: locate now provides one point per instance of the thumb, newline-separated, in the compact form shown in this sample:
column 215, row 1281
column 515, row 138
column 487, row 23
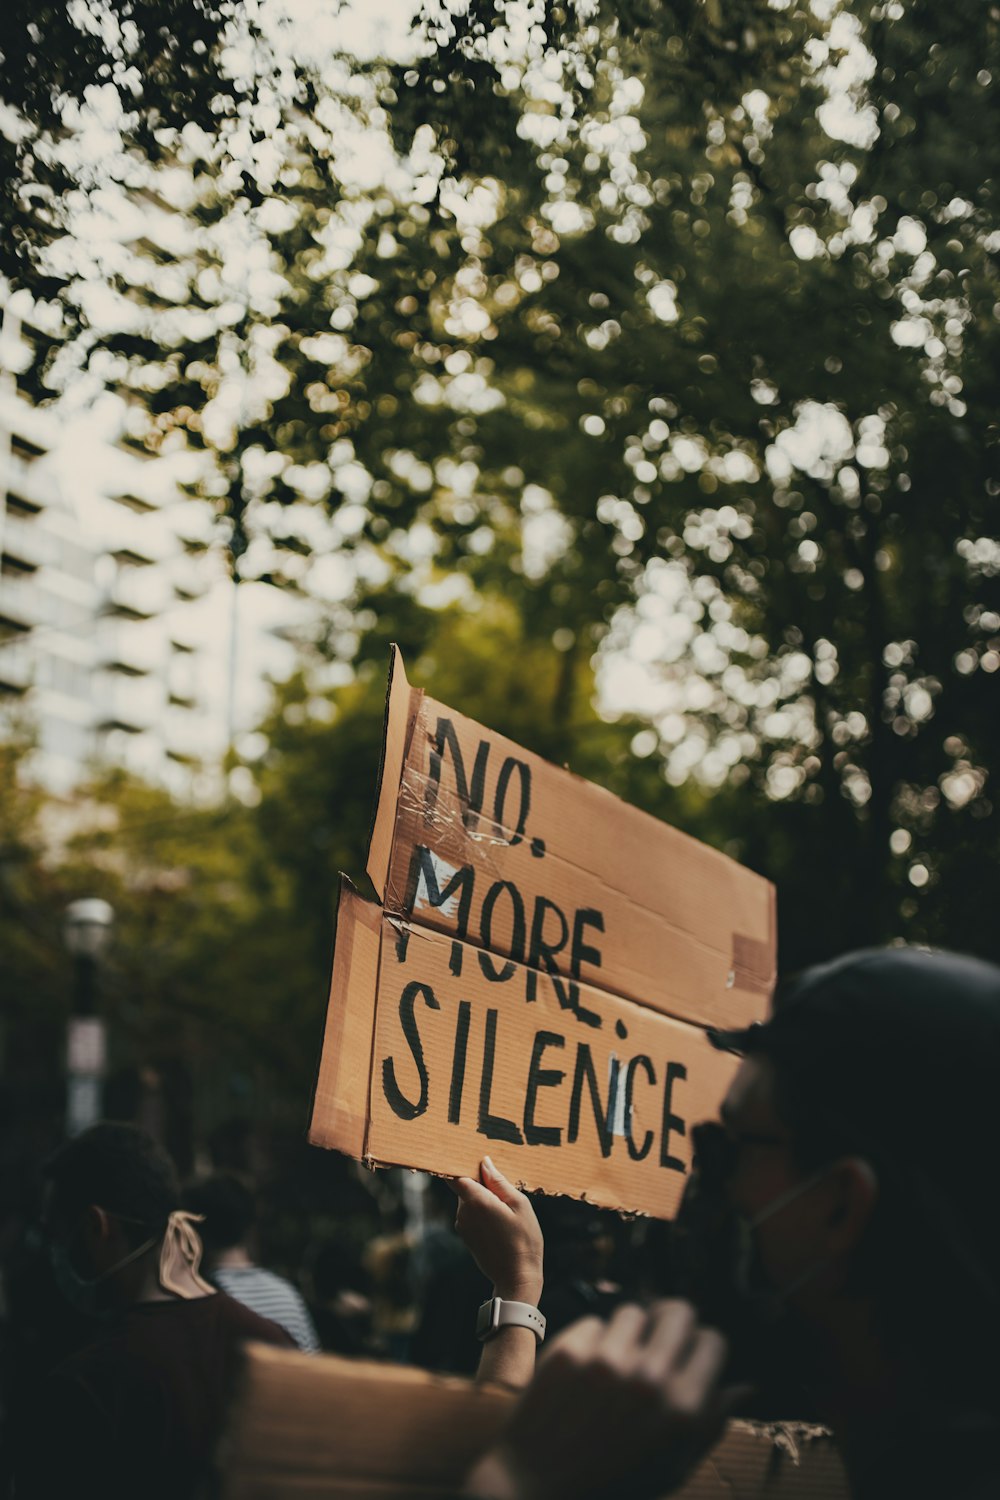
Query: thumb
column 471, row 1193
column 499, row 1185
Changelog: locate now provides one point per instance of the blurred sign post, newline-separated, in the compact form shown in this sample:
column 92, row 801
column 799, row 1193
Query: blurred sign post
column 87, row 930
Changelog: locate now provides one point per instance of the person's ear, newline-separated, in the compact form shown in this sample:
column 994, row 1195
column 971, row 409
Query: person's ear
column 96, row 1225
column 852, row 1203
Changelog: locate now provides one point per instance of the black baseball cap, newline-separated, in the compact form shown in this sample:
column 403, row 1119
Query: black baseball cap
column 894, row 1054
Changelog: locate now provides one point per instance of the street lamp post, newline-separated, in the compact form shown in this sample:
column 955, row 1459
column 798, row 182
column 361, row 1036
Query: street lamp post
column 87, row 930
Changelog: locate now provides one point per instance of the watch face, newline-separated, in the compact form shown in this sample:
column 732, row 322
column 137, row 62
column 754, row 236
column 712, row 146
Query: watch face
column 486, row 1319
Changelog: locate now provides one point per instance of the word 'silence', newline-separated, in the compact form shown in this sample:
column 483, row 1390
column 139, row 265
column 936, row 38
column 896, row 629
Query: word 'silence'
column 579, row 1080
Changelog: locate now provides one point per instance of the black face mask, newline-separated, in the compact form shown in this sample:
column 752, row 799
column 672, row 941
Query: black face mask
column 720, row 1270
column 84, row 1293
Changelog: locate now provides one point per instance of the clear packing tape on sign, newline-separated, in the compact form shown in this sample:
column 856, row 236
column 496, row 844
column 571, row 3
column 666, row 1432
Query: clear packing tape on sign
column 538, row 976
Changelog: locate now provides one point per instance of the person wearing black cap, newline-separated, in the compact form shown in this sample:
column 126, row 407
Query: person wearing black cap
column 137, row 1411
column 845, row 1203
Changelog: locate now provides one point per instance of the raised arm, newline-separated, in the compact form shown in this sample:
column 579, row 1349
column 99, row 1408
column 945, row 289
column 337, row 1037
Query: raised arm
column 499, row 1227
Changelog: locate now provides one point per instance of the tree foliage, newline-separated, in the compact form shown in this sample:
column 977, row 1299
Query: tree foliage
column 157, row 63
column 674, row 325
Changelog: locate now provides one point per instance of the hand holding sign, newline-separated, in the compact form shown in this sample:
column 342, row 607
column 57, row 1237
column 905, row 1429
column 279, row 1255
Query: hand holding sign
column 499, row 1227
column 623, row 1408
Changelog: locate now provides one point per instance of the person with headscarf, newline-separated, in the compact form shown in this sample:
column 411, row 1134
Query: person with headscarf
column 139, row 1408
column 227, row 1218
column 842, row 1215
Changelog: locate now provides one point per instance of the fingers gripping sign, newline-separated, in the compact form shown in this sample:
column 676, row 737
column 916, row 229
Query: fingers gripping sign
column 627, row 1407
column 499, row 1226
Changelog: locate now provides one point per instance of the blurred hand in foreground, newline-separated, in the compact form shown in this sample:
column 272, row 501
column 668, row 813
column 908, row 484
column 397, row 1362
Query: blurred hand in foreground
column 499, row 1227
column 620, row 1408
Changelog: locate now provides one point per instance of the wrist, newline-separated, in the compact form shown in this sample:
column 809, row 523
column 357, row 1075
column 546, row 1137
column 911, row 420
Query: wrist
column 525, row 1289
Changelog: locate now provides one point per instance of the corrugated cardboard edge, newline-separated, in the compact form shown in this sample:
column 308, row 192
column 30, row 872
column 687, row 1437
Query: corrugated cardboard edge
column 776, row 1461
column 341, row 1098
column 331, row 1427
column 401, row 705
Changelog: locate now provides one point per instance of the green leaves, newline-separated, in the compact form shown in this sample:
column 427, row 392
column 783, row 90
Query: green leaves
column 672, row 327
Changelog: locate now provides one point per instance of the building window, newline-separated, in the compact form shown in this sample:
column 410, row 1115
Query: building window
column 17, row 505
column 24, row 449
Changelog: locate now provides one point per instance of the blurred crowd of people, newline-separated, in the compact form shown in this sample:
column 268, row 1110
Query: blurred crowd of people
column 397, row 1283
column 835, row 1258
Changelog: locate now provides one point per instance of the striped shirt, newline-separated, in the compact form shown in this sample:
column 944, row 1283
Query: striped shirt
column 272, row 1297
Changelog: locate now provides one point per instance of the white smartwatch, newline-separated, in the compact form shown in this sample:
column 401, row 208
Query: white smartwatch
column 496, row 1314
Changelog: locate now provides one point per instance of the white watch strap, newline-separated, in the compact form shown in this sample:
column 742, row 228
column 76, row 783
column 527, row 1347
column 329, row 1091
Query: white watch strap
column 497, row 1314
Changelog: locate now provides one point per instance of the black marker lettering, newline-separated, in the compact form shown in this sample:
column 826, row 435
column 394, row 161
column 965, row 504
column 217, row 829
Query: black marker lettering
column 494, row 1127
column 637, row 1153
column 460, row 884
column 506, row 970
column 541, row 1078
column 500, row 799
column 458, row 1063
column 398, row 1102
column 672, row 1124
column 567, row 992
column 581, row 952
column 516, row 945
column 470, row 797
column 585, row 1070
column 542, row 954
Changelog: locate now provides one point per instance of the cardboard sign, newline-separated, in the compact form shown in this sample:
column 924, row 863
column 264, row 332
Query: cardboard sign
column 338, row 1429
column 435, row 1055
column 538, row 978
column 481, row 839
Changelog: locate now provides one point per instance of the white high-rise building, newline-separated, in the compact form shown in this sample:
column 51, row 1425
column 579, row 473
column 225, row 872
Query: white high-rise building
column 115, row 605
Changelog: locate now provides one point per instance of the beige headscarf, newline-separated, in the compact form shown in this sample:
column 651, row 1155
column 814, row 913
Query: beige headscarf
column 180, row 1257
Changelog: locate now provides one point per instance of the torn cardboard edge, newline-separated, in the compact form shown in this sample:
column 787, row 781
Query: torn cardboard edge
column 401, row 706
column 324, row 1426
column 340, row 1099
column 656, row 890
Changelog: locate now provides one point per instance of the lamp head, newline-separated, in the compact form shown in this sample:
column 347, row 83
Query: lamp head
column 88, row 926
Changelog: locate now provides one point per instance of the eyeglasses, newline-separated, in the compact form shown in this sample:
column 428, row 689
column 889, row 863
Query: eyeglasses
column 753, row 1138
column 717, row 1147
